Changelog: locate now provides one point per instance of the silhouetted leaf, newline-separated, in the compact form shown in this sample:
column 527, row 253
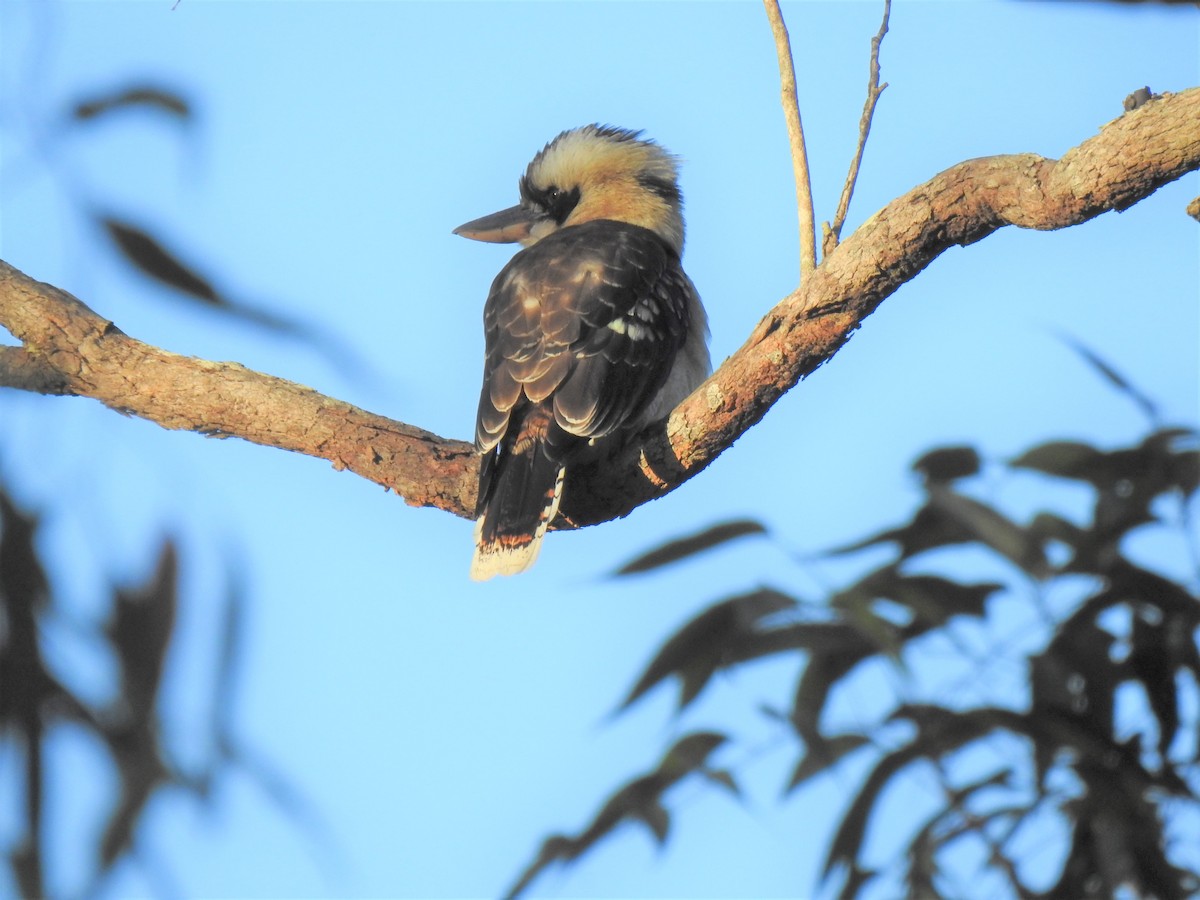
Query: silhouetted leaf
column 1078, row 878
column 26, row 687
column 689, row 753
column 29, row 692
column 640, row 800
column 856, row 877
column 1117, row 844
column 930, row 599
column 152, row 258
column 23, row 580
column 1066, row 459
column 229, row 652
column 1074, row 678
column 992, row 529
column 848, row 839
column 1162, row 643
column 823, row 754
column 692, row 544
column 724, row 778
column 1172, row 458
column 657, row 819
column 950, row 518
column 140, row 630
column 26, row 861
column 1085, row 771
column 1184, row 470
column 939, row 732
column 1132, row 582
column 142, row 96
column 136, row 639
column 1153, row 662
column 947, row 464
column 1115, row 378
column 706, row 643
column 857, row 610
column 934, row 600
column 142, row 771
column 927, row 530
column 1053, row 527
column 1128, row 479
column 827, row 664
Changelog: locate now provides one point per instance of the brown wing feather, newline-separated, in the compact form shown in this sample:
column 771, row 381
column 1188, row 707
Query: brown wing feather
column 589, row 320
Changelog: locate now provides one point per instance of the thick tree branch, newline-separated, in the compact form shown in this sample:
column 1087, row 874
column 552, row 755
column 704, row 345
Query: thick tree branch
column 1128, row 160
column 71, row 350
column 29, row 372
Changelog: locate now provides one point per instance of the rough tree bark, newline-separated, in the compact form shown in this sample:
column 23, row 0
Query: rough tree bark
column 67, row 349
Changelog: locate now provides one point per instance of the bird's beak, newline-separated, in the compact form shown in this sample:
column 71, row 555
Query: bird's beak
column 508, row 226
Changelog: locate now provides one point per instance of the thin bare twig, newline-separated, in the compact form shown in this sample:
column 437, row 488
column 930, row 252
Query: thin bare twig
column 832, row 234
column 791, row 113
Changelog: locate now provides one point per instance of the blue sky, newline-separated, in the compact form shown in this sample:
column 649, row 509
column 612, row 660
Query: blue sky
column 442, row 728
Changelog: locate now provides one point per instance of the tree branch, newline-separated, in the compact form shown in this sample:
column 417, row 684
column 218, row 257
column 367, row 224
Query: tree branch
column 791, row 113
column 1127, row 161
column 29, row 372
column 833, row 233
column 68, row 349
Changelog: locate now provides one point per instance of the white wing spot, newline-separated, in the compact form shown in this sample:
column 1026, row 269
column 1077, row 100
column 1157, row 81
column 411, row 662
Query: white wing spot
column 635, row 331
column 646, row 310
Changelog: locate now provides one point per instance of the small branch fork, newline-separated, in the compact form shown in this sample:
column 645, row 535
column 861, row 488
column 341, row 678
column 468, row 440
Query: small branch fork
column 791, row 113
column 832, row 234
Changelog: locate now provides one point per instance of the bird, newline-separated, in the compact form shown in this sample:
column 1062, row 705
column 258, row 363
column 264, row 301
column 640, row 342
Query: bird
column 592, row 330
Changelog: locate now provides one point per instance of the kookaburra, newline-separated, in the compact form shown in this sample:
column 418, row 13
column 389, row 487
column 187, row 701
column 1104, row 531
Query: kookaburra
column 593, row 330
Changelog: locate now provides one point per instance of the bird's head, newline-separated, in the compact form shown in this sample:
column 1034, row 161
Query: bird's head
column 589, row 173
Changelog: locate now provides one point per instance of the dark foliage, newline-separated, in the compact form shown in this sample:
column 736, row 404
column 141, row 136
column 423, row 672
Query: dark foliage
column 151, row 255
column 641, row 800
column 1113, row 783
column 35, row 702
column 39, row 698
column 150, row 97
column 681, row 548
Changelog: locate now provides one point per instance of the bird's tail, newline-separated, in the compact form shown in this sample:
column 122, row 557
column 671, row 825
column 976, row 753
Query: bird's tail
column 519, row 495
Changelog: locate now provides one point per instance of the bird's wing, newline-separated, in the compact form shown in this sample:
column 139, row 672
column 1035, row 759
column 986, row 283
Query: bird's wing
column 589, row 320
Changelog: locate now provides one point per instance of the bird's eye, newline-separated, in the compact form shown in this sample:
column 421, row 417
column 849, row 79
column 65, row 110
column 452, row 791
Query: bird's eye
column 558, row 202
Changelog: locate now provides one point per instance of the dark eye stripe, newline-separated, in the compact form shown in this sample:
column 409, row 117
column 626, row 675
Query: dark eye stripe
column 560, row 202
column 554, row 201
column 663, row 187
